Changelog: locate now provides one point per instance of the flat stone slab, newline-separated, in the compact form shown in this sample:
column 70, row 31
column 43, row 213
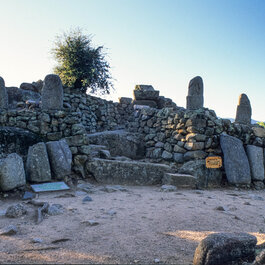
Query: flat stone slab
column 126, row 172
column 180, row 180
column 146, row 95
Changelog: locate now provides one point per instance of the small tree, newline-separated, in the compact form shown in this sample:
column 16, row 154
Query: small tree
column 81, row 66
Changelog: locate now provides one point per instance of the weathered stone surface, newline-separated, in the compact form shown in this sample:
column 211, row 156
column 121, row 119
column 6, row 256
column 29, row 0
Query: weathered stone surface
column 194, row 155
column 145, row 102
column 260, row 259
column 3, row 95
column 259, row 131
column 205, row 177
column 15, row 211
column 15, row 140
column 235, row 160
column 126, row 172
column 124, row 100
column 225, row 248
column 243, row 112
column 195, row 94
column 119, row 143
column 256, row 162
column 144, row 88
column 179, row 180
column 38, row 166
column 52, row 93
column 12, row 174
column 167, row 155
column 60, row 157
column 146, row 95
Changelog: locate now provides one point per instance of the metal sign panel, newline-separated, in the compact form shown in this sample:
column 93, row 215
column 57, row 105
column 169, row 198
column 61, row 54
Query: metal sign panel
column 213, row 162
column 51, row 186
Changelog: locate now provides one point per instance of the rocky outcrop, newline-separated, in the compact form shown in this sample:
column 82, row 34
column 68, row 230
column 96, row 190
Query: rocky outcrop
column 12, row 174
column 225, row 248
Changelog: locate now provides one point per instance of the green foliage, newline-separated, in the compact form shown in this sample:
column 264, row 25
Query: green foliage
column 80, row 66
column 261, row 124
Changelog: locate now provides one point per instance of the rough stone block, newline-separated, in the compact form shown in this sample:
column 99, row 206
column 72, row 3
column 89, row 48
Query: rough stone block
column 38, row 166
column 12, row 174
column 256, row 162
column 179, row 180
column 235, row 160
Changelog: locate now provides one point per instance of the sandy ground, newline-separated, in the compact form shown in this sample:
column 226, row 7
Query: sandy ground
column 134, row 226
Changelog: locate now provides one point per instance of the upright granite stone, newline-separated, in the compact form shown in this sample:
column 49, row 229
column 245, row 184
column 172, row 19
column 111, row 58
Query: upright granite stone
column 235, row 160
column 60, row 157
column 52, row 93
column 3, row 95
column 195, row 94
column 38, row 166
column 256, row 157
column 12, row 174
column 243, row 111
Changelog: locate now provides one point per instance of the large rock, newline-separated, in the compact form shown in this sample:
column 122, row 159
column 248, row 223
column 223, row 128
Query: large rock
column 126, row 172
column 60, row 157
column 38, row 166
column 256, row 162
column 206, row 177
column 52, row 93
column 12, row 174
column 119, row 143
column 195, row 94
column 225, row 248
column 3, row 95
column 243, row 111
column 235, row 160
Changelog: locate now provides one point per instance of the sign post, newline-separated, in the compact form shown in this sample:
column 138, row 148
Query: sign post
column 213, row 162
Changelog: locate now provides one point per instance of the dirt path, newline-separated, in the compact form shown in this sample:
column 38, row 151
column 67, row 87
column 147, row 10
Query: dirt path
column 134, row 226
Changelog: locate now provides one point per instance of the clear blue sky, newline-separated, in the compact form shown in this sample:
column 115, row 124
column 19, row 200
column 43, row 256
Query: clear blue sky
column 164, row 43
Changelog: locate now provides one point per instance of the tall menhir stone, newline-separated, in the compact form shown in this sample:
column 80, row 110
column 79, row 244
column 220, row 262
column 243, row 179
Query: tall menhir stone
column 195, row 94
column 3, row 95
column 243, row 111
column 52, row 93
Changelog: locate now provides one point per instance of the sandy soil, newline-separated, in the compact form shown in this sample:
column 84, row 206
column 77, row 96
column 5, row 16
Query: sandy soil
column 134, row 226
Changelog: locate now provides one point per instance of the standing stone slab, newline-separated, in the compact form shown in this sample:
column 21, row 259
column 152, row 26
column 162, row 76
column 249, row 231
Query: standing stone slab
column 256, row 157
column 243, row 111
column 38, row 166
column 195, row 94
column 12, row 174
column 52, row 93
column 225, row 248
column 3, row 95
column 60, row 157
column 235, row 160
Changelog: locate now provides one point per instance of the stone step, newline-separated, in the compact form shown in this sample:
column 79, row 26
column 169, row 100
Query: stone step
column 179, row 180
column 126, row 172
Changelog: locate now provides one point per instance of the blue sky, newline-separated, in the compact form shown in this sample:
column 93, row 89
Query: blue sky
column 164, row 43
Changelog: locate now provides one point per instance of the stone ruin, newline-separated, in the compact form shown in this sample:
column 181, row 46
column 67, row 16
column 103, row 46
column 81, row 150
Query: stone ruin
column 147, row 140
